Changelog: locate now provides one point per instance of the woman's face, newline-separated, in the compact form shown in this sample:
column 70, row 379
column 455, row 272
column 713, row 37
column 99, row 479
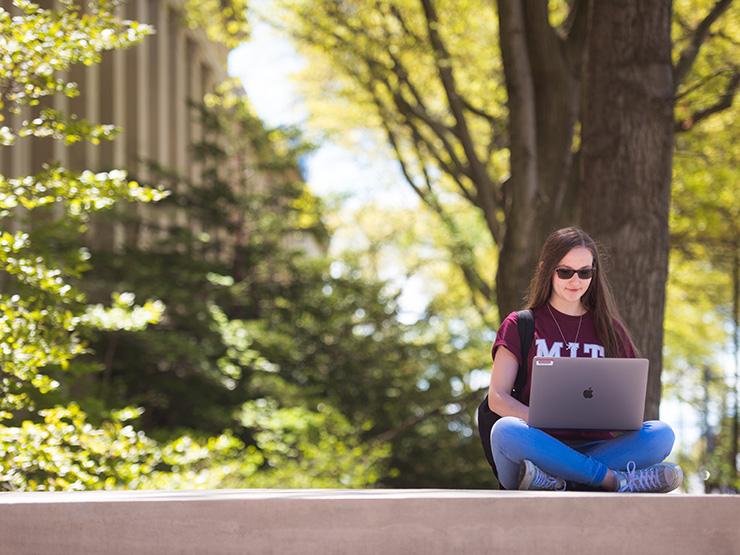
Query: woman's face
column 571, row 290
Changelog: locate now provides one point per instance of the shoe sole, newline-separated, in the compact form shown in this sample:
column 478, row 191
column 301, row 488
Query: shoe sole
column 677, row 481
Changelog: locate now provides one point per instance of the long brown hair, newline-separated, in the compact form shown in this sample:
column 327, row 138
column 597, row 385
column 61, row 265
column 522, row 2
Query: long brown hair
column 598, row 298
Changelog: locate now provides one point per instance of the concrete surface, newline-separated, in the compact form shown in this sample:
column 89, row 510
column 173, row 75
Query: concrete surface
column 366, row 521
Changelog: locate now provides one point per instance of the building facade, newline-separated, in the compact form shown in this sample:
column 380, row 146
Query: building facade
column 145, row 90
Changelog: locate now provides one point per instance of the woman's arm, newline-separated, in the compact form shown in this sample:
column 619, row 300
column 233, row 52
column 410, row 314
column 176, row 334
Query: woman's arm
column 503, row 374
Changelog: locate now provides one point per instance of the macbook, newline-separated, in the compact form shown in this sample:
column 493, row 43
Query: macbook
column 588, row 393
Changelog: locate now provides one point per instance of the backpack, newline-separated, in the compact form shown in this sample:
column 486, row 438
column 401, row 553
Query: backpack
column 486, row 417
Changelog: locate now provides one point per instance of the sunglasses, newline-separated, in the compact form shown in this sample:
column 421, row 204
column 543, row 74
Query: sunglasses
column 567, row 273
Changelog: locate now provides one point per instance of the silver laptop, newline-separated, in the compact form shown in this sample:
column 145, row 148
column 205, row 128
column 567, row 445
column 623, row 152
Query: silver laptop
column 588, row 393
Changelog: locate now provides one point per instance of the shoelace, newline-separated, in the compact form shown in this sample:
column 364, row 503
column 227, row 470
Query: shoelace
column 544, row 481
column 647, row 479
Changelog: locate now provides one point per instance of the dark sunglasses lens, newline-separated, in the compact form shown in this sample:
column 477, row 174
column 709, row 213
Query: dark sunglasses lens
column 567, row 273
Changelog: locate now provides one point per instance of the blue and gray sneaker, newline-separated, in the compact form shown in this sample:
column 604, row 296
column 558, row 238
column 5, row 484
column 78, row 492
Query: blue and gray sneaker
column 658, row 478
column 533, row 478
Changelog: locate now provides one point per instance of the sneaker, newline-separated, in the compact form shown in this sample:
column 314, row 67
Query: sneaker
column 659, row 478
column 531, row 477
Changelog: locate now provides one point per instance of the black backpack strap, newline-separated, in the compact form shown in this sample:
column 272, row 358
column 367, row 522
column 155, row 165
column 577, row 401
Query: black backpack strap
column 486, row 417
column 525, row 321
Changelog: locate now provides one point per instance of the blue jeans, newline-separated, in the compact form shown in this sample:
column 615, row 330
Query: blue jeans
column 585, row 462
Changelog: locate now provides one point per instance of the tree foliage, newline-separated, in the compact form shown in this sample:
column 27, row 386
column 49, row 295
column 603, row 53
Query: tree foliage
column 41, row 310
column 387, row 67
column 43, row 313
column 224, row 21
column 700, row 321
column 269, row 321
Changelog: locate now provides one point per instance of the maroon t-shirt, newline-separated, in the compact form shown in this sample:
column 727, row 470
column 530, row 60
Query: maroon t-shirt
column 548, row 341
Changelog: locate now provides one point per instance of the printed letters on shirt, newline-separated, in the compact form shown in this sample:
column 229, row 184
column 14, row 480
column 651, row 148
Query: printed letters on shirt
column 555, row 350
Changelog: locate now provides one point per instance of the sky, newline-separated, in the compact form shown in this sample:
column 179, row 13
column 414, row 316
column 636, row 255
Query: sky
column 265, row 65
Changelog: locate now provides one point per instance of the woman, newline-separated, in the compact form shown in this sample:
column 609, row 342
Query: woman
column 574, row 313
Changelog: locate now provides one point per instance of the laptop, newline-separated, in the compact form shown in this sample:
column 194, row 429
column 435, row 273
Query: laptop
column 588, row 393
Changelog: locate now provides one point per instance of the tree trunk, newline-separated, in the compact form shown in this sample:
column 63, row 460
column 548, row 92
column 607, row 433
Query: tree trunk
column 517, row 253
column 542, row 73
column 626, row 162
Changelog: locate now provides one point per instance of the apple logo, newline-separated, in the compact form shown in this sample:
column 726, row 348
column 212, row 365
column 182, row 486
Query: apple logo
column 588, row 393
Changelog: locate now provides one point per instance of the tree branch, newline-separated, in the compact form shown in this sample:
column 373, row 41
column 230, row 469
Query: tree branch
column 699, row 84
column 379, row 73
column 521, row 93
column 442, row 141
column 478, row 111
column 401, row 161
column 577, row 26
column 688, row 55
column 443, row 60
column 724, row 36
column 458, row 169
column 455, row 168
column 420, row 111
column 495, row 123
column 418, row 141
column 402, row 22
column 415, row 420
column 461, row 253
column 429, row 198
column 724, row 102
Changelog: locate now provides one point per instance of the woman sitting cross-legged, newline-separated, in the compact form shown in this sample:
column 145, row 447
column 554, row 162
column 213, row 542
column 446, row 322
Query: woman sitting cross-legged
column 573, row 310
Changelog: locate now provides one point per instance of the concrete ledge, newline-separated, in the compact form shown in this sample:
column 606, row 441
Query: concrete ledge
column 366, row 521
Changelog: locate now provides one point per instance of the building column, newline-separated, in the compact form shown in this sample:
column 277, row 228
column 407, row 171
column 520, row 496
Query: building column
column 119, row 99
column 179, row 113
column 140, row 115
column 142, row 118
column 196, row 96
column 157, row 87
column 119, row 119
column 107, row 94
column 164, row 84
column 132, row 146
column 61, row 104
column 91, row 95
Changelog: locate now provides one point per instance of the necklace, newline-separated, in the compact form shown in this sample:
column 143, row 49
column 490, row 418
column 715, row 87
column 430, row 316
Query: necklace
column 580, row 320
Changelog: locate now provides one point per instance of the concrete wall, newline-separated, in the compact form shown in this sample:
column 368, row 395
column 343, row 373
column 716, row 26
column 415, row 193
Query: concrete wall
column 367, row 521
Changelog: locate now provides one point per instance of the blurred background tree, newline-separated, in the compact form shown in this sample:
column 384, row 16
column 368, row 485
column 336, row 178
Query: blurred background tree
column 49, row 441
column 43, row 314
column 278, row 324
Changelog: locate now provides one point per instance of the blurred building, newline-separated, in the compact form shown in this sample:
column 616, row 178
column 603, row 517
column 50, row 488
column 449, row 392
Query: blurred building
column 145, row 90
